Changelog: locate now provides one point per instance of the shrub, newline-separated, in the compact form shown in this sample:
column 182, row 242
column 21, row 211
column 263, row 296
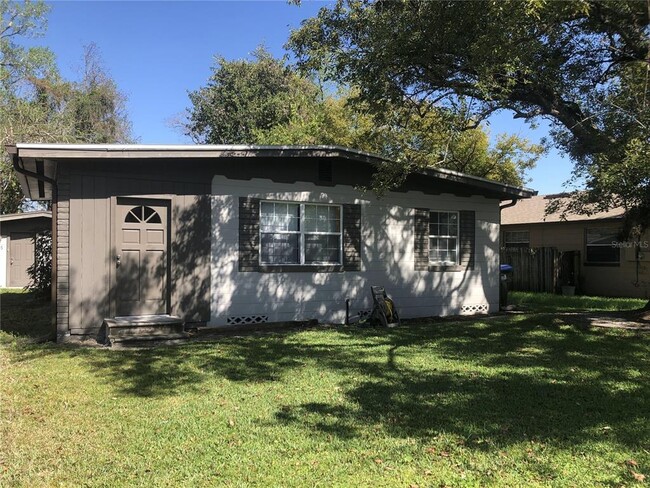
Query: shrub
column 40, row 273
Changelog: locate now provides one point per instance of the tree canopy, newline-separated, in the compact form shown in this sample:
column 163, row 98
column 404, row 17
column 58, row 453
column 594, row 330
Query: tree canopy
column 582, row 64
column 38, row 105
column 264, row 101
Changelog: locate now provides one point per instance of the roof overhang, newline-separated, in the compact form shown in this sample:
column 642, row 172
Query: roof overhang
column 36, row 164
column 25, row 216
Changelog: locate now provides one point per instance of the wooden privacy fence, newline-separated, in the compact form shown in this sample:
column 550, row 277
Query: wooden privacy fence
column 534, row 269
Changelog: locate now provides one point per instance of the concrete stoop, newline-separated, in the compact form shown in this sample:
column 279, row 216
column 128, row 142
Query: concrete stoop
column 142, row 329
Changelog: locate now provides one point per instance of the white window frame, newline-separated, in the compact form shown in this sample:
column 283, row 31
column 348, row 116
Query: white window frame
column 301, row 232
column 457, row 237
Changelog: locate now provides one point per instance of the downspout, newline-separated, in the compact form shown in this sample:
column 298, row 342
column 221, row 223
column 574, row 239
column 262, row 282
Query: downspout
column 503, row 285
column 508, row 205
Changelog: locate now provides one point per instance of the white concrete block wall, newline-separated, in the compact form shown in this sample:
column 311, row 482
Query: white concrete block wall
column 387, row 258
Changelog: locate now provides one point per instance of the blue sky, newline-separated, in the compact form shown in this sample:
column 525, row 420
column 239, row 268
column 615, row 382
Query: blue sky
column 156, row 51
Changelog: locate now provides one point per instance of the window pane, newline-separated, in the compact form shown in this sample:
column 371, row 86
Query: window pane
column 601, row 236
column 150, row 215
column 443, row 224
column 603, row 254
column 279, row 217
column 131, row 218
column 280, row 248
column 322, row 218
column 443, row 237
column 443, row 250
column 517, row 237
column 601, row 245
column 322, row 249
column 453, row 224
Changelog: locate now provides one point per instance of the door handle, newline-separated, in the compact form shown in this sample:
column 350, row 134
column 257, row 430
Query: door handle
column 118, row 260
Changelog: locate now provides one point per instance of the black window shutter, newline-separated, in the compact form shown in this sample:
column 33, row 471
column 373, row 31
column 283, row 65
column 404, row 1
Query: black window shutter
column 351, row 237
column 467, row 238
column 249, row 234
column 421, row 244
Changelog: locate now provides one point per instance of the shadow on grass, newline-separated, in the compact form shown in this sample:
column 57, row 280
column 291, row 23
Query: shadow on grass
column 26, row 315
column 493, row 382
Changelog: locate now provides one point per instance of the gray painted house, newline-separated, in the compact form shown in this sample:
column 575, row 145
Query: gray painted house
column 229, row 235
column 17, row 232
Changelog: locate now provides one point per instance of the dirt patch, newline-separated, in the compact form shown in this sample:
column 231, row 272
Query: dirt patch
column 613, row 320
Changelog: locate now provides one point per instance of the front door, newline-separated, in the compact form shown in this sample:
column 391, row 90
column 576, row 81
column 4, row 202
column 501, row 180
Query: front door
column 21, row 257
column 141, row 258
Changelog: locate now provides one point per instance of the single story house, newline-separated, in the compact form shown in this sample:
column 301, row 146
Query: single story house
column 17, row 232
column 603, row 265
column 229, row 235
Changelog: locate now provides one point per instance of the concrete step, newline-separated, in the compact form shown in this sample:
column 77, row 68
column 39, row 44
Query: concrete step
column 151, row 340
column 144, row 328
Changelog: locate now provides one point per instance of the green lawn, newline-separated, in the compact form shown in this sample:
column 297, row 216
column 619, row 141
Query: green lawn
column 547, row 302
column 25, row 315
column 520, row 400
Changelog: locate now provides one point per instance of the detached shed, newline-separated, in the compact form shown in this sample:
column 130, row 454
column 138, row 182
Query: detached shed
column 17, row 233
column 229, row 235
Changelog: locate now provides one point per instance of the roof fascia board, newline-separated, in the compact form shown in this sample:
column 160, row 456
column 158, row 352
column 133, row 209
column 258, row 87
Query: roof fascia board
column 585, row 220
column 107, row 151
column 25, row 216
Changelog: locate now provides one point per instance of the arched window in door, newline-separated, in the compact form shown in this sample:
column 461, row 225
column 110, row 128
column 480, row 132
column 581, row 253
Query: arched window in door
column 142, row 214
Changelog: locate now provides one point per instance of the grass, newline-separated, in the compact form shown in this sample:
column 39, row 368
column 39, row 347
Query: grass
column 547, row 302
column 522, row 400
column 25, row 315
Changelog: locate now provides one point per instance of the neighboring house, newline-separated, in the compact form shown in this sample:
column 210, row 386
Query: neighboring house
column 228, row 235
column 17, row 233
column 603, row 264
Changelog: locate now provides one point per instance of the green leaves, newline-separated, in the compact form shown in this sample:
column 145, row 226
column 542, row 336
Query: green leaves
column 244, row 97
column 264, row 101
column 36, row 105
column 582, row 64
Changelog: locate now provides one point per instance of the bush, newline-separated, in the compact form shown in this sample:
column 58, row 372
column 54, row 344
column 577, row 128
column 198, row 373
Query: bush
column 40, row 273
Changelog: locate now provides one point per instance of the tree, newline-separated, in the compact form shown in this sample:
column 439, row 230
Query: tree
column 243, row 97
column 581, row 64
column 263, row 101
column 18, row 65
column 37, row 105
column 95, row 106
column 40, row 272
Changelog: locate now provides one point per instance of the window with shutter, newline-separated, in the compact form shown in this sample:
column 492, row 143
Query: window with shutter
column 293, row 236
column 444, row 241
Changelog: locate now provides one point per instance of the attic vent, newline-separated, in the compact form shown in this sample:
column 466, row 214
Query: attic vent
column 325, row 171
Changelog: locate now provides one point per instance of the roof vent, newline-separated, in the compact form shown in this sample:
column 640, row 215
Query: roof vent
column 325, row 171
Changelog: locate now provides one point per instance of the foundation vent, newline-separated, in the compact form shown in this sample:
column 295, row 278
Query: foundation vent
column 247, row 319
column 364, row 314
column 474, row 308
